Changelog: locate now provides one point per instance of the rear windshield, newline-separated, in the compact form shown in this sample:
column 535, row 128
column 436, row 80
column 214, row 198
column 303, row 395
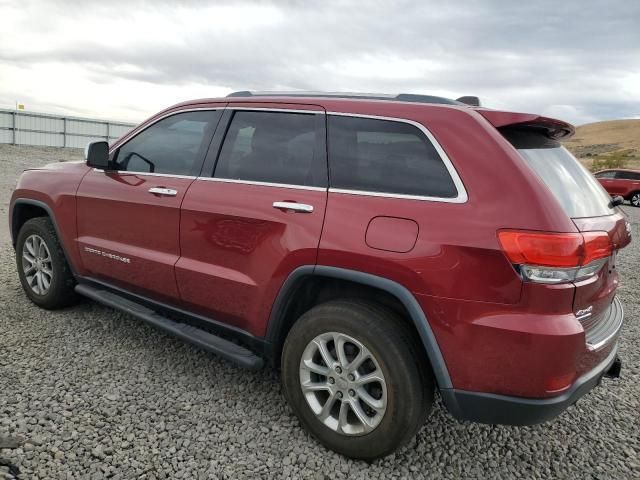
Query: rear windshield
column 579, row 193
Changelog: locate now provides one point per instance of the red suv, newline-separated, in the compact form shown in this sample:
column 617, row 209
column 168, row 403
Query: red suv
column 376, row 248
column 625, row 183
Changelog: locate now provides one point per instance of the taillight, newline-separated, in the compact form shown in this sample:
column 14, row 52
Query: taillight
column 555, row 257
column 596, row 245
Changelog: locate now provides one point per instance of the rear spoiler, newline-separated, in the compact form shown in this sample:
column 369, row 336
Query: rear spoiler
column 556, row 129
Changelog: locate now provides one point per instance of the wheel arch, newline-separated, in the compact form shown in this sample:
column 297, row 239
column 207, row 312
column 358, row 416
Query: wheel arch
column 283, row 315
column 24, row 209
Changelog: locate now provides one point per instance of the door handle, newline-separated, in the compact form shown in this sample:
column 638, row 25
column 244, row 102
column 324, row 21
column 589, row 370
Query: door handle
column 293, row 206
column 166, row 192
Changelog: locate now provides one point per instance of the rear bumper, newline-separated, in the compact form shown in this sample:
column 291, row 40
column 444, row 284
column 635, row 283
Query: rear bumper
column 506, row 410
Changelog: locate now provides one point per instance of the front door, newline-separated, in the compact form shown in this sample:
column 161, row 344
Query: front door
column 258, row 217
column 129, row 217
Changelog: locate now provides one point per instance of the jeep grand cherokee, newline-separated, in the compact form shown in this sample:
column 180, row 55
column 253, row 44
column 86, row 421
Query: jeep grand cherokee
column 376, row 249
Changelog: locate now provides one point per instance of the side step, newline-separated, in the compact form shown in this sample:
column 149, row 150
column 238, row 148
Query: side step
column 212, row 343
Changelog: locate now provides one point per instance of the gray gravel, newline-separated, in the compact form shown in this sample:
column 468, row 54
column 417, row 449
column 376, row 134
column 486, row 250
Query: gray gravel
column 92, row 393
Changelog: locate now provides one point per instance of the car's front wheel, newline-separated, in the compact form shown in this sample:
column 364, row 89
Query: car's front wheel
column 635, row 199
column 356, row 378
column 42, row 267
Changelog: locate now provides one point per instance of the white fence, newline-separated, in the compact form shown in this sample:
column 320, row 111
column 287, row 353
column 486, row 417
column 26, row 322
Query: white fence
column 29, row 128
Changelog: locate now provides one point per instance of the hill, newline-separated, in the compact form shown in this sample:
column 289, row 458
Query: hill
column 611, row 144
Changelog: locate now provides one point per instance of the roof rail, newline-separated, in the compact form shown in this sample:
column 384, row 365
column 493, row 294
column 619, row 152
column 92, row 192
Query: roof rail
column 402, row 97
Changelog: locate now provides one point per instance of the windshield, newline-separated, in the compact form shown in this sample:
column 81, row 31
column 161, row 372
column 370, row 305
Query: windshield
column 579, row 193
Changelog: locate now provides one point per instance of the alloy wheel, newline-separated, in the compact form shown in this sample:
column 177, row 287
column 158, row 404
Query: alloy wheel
column 343, row 384
column 36, row 264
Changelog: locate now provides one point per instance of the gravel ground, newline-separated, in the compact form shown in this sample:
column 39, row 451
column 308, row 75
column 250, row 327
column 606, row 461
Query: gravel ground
column 92, row 393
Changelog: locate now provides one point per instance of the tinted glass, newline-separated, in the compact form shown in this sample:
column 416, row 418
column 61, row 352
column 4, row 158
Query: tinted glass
column 272, row 147
column 579, row 193
column 385, row 156
column 628, row 175
column 174, row 145
column 605, row 175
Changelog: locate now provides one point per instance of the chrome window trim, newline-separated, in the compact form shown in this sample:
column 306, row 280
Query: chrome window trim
column 367, row 193
column 150, row 174
column 284, row 110
column 263, row 184
column 462, row 196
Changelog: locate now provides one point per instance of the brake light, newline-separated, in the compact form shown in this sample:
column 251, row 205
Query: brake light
column 548, row 249
column 596, row 245
column 555, row 257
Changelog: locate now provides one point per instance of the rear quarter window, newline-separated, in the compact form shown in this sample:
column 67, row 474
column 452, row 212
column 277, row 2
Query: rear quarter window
column 385, row 156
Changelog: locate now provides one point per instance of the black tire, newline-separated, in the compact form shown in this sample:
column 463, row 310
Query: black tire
column 409, row 390
column 634, row 199
column 60, row 292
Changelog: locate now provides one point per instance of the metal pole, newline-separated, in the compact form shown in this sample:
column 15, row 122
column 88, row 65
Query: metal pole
column 64, row 132
column 107, row 132
column 13, row 128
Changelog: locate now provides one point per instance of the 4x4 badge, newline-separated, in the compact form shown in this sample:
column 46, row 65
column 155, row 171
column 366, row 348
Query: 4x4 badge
column 585, row 312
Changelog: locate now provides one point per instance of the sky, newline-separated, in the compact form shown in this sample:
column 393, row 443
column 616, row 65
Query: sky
column 125, row 60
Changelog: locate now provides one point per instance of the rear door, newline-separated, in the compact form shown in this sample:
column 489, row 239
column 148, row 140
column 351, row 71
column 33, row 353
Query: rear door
column 128, row 217
column 255, row 214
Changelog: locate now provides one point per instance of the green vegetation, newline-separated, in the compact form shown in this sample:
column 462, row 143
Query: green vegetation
column 618, row 159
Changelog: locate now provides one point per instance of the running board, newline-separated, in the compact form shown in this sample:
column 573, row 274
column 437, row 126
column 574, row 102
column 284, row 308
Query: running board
column 212, row 343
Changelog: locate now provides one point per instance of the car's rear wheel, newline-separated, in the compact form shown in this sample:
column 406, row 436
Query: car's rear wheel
column 42, row 267
column 635, row 199
column 356, row 378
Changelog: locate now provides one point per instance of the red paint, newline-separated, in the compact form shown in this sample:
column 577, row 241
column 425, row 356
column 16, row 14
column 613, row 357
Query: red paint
column 117, row 214
column 392, row 234
column 237, row 250
column 221, row 249
column 620, row 186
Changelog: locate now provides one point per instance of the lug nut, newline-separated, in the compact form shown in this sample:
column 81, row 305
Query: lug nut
column 338, row 370
column 331, row 380
column 352, row 392
column 351, row 377
column 339, row 394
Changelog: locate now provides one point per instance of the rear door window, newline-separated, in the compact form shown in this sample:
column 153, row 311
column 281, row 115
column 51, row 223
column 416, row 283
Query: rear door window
column 577, row 190
column 374, row 155
column 273, row 147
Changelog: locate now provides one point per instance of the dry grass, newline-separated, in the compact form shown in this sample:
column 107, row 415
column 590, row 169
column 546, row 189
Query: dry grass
column 610, row 144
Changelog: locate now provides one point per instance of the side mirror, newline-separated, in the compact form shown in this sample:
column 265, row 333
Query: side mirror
column 97, row 154
column 617, row 200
